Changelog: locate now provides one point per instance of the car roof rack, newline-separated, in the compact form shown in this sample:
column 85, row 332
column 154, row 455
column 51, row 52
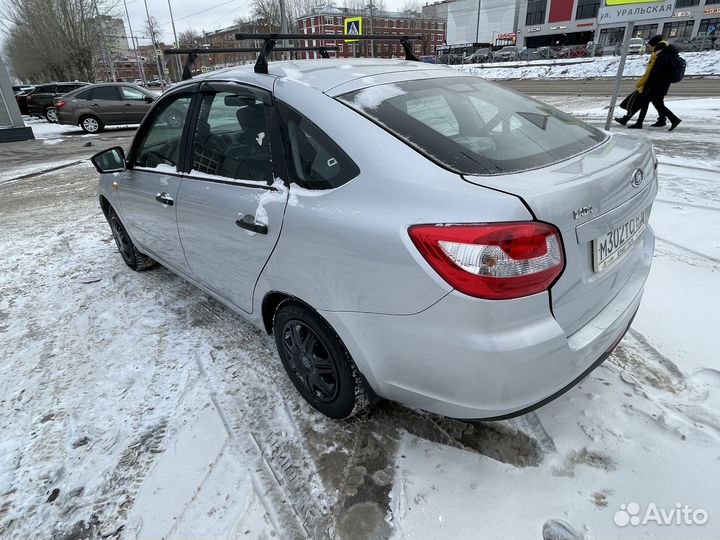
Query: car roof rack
column 193, row 54
column 271, row 39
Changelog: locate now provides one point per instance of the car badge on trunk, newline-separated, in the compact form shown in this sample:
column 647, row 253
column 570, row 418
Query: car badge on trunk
column 582, row 212
column 637, row 178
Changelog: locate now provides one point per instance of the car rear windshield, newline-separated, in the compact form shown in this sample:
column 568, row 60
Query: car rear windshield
column 472, row 126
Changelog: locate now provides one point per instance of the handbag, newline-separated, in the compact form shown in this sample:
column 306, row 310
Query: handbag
column 632, row 103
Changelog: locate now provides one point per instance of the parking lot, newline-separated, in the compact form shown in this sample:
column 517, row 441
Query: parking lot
column 136, row 406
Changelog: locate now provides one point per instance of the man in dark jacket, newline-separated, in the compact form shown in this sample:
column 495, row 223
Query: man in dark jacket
column 658, row 83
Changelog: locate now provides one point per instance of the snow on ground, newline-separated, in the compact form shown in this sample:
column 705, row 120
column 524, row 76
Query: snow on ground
column 135, row 406
column 698, row 63
column 50, row 133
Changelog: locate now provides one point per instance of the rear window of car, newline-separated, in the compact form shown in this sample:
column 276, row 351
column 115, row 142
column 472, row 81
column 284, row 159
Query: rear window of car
column 45, row 89
column 106, row 93
column 474, row 127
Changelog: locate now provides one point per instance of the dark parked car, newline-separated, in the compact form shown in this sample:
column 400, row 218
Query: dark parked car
column 21, row 98
column 40, row 101
column 18, row 88
column 478, row 57
column 98, row 105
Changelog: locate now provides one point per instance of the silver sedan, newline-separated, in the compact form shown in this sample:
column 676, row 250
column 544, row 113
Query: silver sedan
column 405, row 231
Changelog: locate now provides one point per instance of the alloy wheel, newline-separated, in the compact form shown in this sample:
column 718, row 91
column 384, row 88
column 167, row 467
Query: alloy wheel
column 310, row 362
column 122, row 239
column 90, row 125
column 51, row 115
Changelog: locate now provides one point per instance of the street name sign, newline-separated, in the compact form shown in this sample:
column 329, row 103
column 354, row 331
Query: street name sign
column 635, row 12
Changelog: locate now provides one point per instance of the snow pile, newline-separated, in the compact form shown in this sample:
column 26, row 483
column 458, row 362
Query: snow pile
column 698, row 63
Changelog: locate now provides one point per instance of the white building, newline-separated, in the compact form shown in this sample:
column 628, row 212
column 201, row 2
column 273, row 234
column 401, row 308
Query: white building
column 482, row 21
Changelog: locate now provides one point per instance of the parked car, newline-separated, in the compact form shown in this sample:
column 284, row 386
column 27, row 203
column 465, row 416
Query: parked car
column 40, row 100
column 478, row 57
column 98, row 105
column 505, row 54
column 636, row 46
column 573, row 51
column 403, row 229
column 546, row 53
column 21, row 99
column 18, row 88
column 155, row 83
column 138, row 82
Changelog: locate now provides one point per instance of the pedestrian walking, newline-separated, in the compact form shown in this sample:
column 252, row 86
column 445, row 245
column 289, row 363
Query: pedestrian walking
column 664, row 68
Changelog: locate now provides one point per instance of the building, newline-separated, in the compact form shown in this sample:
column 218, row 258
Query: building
column 483, row 21
column 437, row 10
column 574, row 22
column 331, row 20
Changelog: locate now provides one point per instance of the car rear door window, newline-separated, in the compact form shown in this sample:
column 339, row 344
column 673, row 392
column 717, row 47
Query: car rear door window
column 105, row 93
column 314, row 160
column 160, row 136
column 472, row 126
column 231, row 138
column 86, row 95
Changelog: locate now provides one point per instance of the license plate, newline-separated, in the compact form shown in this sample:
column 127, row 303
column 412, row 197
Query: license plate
column 609, row 247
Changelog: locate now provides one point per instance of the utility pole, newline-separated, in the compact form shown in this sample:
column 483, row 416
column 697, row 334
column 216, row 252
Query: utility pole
column 372, row 45
column 177, row 57
column 134, row 44
column 104, row 45
column 283, row 26
column 161, row 73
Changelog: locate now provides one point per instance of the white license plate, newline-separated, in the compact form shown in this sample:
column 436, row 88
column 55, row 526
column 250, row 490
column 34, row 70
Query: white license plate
column 609, row 247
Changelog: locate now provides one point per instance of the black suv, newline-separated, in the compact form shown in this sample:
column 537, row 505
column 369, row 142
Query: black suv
column 40, row 101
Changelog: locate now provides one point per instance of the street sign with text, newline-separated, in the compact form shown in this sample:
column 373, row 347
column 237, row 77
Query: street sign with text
column 611, row 14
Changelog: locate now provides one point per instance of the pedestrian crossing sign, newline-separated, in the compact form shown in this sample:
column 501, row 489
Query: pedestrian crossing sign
column 353, row 27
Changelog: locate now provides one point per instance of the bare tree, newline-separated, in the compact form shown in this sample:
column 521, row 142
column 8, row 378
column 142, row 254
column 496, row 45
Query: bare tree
column 190, row 38
column 53, row 39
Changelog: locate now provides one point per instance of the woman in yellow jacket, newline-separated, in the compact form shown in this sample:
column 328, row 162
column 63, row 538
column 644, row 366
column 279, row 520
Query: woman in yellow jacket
column 640, row 85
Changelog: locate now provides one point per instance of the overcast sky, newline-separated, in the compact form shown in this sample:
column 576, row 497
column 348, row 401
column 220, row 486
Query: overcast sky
column 199, row 15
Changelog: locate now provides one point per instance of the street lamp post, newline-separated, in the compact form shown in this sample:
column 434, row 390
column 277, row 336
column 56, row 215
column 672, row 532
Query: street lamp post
column 141, row 72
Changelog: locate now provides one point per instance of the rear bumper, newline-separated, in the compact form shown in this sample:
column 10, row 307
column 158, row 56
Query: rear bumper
column 476, row 359
column 66, row 118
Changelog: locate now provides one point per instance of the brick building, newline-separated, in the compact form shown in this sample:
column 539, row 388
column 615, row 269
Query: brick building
column 331, row 20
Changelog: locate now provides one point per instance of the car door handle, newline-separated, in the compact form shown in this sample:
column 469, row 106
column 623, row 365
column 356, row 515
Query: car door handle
column 247, row 222
column 94, row 105
column 164, row 198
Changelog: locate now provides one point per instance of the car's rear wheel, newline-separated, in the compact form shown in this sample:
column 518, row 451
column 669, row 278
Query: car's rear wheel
column 90, row 124
column 132, row 257
column 318, row 363
column 50, row 115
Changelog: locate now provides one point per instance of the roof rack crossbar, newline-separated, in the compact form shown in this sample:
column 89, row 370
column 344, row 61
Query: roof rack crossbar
column 356, row 37
column 248, row 50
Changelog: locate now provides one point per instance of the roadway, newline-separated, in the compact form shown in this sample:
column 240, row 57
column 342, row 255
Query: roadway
column 689, row 87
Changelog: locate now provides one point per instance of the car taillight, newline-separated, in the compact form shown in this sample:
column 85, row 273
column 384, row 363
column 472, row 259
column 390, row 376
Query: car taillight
column 29, row 99
column 494, row 261
column 60, row 103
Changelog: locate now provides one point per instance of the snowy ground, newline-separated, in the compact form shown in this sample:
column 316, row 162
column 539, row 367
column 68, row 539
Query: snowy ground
column 134, row 406
column 698, row 63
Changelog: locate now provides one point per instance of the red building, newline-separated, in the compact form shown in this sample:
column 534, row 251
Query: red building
column 331, row 20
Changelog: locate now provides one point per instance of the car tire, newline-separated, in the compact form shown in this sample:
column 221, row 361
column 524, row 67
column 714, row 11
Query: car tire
column 50, row 114
column 130, row 254
column 91, row 124
column 317, row 362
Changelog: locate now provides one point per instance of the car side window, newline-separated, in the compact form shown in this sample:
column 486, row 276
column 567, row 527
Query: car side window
column 105, row 93
column 159, row 143
column 87, row 94
column 314, row 160
column 231, row 137
column 131, row 94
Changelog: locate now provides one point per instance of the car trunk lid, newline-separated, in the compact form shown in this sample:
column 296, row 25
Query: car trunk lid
column 587, row 197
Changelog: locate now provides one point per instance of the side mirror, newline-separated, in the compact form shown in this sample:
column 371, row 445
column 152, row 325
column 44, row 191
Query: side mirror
column 109, row 161
column 149, row 99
